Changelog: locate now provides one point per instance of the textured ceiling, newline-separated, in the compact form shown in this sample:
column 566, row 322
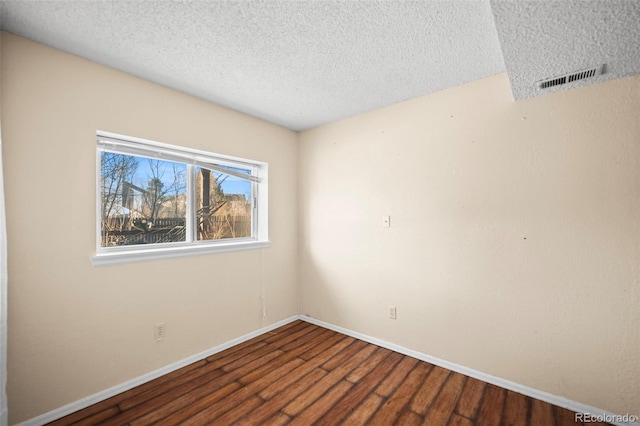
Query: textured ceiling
column 295, row 63
column 302, row 63
column 545, row 39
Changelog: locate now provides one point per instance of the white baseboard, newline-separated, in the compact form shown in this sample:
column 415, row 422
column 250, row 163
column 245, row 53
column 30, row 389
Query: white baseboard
column 101, row 396
column 503, row 383
column 525, row 390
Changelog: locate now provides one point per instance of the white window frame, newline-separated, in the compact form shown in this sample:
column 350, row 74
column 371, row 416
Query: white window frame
column 112, row 142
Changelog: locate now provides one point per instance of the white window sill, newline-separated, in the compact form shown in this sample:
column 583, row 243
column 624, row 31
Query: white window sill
column 141, row 255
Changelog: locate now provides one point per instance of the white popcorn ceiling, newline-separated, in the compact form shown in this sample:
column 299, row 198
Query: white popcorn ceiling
column 545, row 39
column 301, row 64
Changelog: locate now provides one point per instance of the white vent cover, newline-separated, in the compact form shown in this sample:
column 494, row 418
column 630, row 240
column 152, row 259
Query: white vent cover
column 569, row 78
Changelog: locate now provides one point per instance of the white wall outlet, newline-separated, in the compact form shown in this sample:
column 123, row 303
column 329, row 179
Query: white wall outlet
column 160, row 331
column 386, row 221
column 392, row 312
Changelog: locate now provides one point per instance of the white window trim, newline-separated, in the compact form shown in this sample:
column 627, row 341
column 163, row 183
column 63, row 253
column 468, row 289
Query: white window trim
column 129, row 254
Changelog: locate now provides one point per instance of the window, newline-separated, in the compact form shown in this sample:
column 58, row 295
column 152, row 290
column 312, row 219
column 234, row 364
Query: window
column 157, row 200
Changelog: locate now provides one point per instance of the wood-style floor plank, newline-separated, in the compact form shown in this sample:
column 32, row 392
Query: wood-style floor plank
column 311, row 335
column 393, row 380
column 470, row 398
column 443, row 406
column 233, row 416
column 565, row 417
column 429, row 389
column 81, row 417
column 541, row 413
column 279, row 419
column 370, row 364
column 364, row 411
column 391, row 409
column 516, row 409
column 410, row 418
column 322, row 404
column 275, row 404
column 288, row 356
column 319, row 388
column 458, row 420
column 198, row 388
column 359, row 392
column 162, row 382
column 213, row 410
column 327, row 344
column 292, row 377
column 492, row 406
column 302, row 374
column 221, row 359
column 98, row 417
column 344, row 356
column 296, row 331
column 184, row 406
column 179, row 385
column 245, row 356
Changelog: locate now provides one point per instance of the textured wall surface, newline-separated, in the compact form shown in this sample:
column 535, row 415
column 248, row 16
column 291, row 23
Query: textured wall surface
column 515, row 233
column 75, row 329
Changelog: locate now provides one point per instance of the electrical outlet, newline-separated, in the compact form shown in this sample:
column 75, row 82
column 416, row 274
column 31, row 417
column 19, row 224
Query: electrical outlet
column 392, row 312
column 160, row 331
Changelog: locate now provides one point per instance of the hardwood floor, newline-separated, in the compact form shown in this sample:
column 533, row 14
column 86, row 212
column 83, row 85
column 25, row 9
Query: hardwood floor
column 302, row 374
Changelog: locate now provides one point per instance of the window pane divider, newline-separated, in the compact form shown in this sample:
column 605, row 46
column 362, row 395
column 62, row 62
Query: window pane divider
column 190, row 230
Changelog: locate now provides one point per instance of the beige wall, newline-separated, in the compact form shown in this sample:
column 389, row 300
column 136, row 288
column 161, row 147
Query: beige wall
column 515, row 233
column 513, row 250
column 75, row 329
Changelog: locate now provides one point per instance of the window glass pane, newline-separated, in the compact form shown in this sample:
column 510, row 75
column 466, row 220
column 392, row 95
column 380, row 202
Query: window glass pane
column 223, row 205
column 143, row 200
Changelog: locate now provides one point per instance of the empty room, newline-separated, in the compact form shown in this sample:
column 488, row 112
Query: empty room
column 265, row 212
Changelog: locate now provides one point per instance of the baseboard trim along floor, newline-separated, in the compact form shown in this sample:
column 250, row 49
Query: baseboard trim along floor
column 108, row 393
column 506, row 384
column 503, row 383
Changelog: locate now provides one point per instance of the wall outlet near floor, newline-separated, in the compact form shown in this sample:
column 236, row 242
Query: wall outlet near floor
column 392, row 312
column 160, row 331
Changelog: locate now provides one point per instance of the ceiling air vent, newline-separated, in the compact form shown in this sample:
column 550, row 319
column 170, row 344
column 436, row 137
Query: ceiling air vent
column 570, row 78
